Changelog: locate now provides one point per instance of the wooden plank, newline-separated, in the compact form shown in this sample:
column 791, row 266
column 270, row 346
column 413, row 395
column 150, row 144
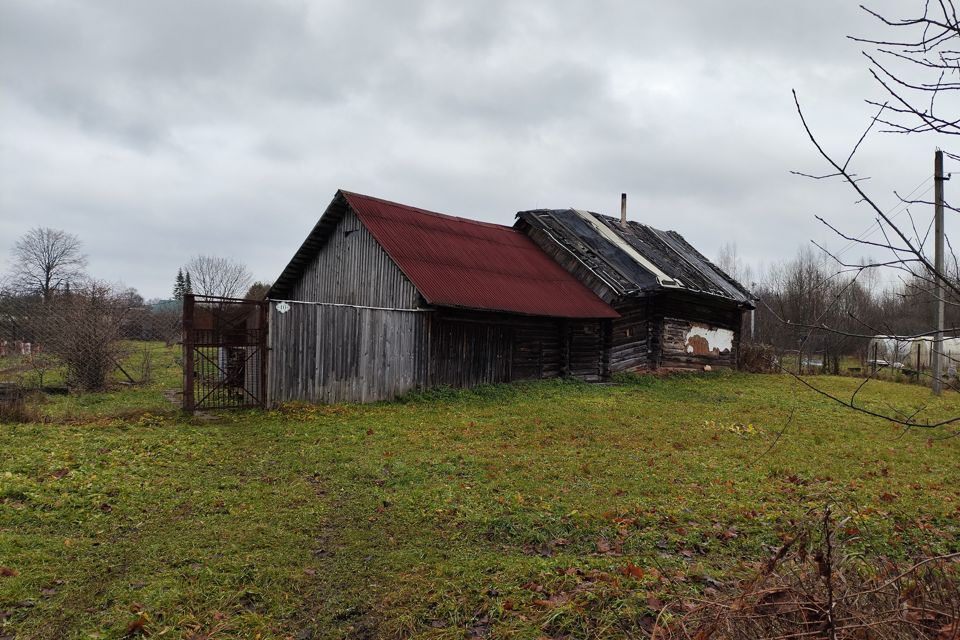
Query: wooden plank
column 344, row 354
column 352, row 268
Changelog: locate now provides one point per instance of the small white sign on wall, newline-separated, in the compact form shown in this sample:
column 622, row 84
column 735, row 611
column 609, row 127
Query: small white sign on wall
column 282, row 307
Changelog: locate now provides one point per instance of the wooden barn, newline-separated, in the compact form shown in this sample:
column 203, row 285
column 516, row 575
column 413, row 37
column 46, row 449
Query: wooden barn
column 384, row 298
column 676, row 309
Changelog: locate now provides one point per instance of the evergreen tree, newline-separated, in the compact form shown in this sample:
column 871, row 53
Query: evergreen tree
column 180, row 287
column 187, row 285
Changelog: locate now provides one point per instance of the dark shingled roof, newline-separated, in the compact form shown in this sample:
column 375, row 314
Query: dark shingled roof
column 455, row 262
column 635, row 259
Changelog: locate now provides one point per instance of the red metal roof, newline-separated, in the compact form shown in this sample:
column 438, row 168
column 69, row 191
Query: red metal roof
column 476, row 265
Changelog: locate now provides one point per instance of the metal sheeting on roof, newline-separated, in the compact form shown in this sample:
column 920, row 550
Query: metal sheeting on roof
column 476, row 265
column 635, row 258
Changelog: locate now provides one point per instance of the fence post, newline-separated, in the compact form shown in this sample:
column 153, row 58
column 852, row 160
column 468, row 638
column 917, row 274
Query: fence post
column 188, row 339
column 875, row 364
column 918, row 362
column 264, row 360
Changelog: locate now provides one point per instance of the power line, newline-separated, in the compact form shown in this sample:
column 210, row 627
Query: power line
column 876, row 225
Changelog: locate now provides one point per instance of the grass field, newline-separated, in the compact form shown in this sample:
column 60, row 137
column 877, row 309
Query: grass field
column 541, row 510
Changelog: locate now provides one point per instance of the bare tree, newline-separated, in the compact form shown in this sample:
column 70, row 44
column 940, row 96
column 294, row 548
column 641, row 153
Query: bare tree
column 917, row 71
column 46, row 260
column 216, row 276
column 729, row 260
column 84, row 328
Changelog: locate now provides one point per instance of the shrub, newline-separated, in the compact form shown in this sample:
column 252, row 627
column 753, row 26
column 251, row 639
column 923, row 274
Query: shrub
column 756, row 358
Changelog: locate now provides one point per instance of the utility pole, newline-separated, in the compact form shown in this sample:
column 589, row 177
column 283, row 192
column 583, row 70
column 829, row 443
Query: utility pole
column 938, row 266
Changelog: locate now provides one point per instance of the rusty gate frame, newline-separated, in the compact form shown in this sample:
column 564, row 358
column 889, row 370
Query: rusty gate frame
column 196, row 338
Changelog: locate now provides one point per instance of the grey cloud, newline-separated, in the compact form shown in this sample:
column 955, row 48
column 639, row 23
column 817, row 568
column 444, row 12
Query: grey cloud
column 156, row 130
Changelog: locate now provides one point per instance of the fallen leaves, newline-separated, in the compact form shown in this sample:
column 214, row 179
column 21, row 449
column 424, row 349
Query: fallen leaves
column 609, row 547
column 727, row 534
column 546, row 549
column 553, row 601
column 633, row 571
column 138, row 626
column 8, row 572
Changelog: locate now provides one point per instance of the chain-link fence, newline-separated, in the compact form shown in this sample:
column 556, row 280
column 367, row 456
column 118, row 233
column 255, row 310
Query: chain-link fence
column 88, row 340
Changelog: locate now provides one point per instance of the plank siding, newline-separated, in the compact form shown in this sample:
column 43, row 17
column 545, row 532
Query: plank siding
column 352, row 268
column 536, row 351
column 324, row 353
column 472, row 347
column 466, row 354
column 327, row 353
column 585, row 351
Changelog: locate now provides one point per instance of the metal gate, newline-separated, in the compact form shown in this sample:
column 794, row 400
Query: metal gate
column 224, row 353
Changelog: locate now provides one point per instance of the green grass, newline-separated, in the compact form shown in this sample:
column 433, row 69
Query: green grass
column 148, row 363
column 503, row 512
column 152, row 364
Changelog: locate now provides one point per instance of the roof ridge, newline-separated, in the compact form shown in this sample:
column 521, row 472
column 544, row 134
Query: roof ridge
column 491, row 240
column 594, row 213
column 560, row 277
column 435, row 214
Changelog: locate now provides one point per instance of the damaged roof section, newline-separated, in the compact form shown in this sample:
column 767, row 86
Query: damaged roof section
column 635, row 259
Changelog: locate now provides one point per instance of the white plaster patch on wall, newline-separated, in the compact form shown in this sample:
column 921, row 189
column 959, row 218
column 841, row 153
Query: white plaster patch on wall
column 718, row 340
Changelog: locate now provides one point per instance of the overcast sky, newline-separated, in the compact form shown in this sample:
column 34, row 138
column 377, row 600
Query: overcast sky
column 159, row 130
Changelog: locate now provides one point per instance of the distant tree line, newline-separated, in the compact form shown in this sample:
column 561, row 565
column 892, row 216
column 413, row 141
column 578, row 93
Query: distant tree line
column 810, row 306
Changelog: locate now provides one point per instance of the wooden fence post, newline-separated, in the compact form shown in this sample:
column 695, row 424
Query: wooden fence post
column 918, row 362
column 188, row 339
column 264, row 329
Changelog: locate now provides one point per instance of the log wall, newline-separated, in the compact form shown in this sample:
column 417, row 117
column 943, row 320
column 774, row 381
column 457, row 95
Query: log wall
column 680, row 323
column 631, row 343
column 654, row 332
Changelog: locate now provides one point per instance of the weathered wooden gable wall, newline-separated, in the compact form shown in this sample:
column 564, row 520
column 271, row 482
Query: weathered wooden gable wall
column 352, row 268
column 375, row 350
